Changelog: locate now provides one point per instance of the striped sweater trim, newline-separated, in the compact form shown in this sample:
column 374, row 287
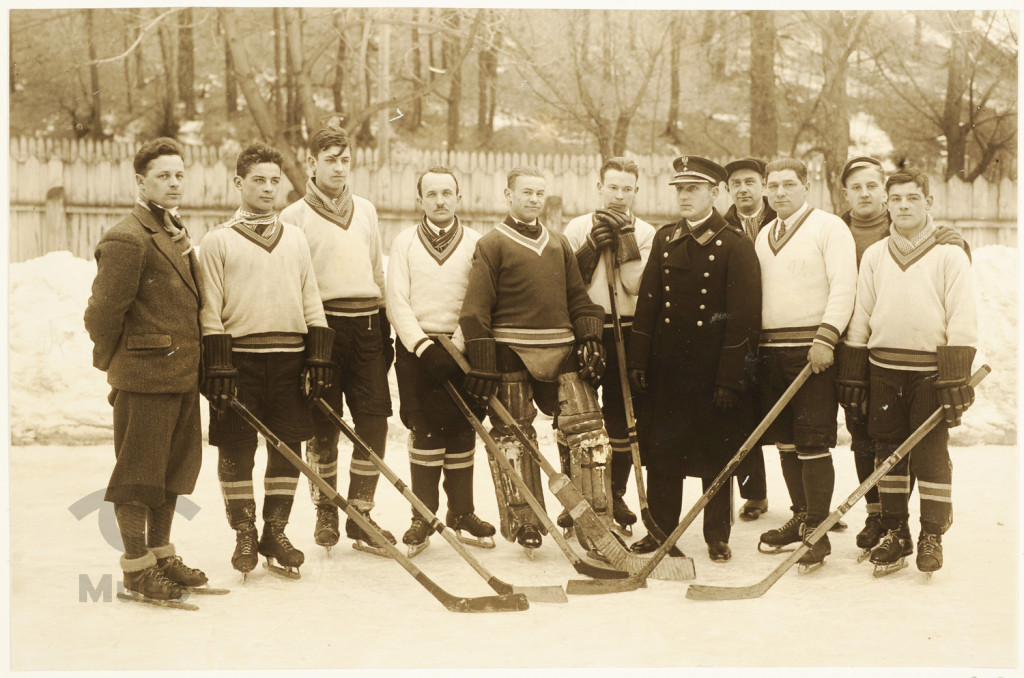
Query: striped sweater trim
column 776, row 244
column 269, row 342
column 905, row 261
column 789, row 336
column 536, row 246
column 516, row 336
column 624, row 321
column 827, row 334
column 904, row 359
column 355, row 306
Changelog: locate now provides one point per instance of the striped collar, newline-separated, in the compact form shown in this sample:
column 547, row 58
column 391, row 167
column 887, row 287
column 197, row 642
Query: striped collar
column 537, row 246
column 439, row 247
column 268, row 240
column 794, row 222
column 906, row 252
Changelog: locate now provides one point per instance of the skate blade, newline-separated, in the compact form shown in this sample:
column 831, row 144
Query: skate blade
column 278, row 569
column 567, row 532
column 135, row 597
column 207, row 590
column 530, row 551
column 360, row 545
column 623, row 530
column 807, row 568
column 864, row 555
column 479, row 542
column 416, row 549
column 885, row 569
column 774, row 550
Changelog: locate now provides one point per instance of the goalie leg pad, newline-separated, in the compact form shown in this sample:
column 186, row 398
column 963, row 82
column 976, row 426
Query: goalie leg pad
column 590, row 452
column 516, row 394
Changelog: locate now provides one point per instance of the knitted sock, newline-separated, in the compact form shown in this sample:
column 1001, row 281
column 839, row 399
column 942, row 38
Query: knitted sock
column 131, row 521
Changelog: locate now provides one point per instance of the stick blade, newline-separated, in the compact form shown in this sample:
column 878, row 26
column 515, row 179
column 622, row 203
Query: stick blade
column 543, row 594
column 513, row 602
column 670, row 569
column 584, row 587
column 706, row 592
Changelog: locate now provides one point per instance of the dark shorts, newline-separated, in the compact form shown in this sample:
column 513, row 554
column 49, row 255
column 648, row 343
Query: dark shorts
column 362, row 374
column 899, row 402
column 425, row 407
column 158, row 445
column 268, row 384
column 810, row 418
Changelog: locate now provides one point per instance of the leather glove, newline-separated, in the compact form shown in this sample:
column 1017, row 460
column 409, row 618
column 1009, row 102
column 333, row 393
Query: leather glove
column 726, row 398
column 637, row 380
column 219, row 377
column 318, row 370
column 852, row 380
column 602, row 236
column 590, row 358
column 438, row 364
column 955, row 393
column 619, row 221
column 483, row 379
column 947, row 235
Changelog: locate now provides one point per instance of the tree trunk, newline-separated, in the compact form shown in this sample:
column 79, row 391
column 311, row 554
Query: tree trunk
column 338, row 86
column 764, row 132
column 450, row 52
column 956, row 85
column 303, row 85
column 676, row 36
column 95, row 102
column 169, row 125
column 230, row 81
column 414, row 120
column 835, row 140
column 186, row 63
column 487, row 76
column 127, row 40
column 246, row 76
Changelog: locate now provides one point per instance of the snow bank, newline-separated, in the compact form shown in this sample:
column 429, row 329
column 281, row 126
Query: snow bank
column 58, row 397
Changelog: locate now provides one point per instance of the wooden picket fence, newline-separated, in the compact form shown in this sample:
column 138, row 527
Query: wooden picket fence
column 64, row 194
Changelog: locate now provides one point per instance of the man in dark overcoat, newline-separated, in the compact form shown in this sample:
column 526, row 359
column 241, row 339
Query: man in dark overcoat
column 143, row 319
column 694, row 343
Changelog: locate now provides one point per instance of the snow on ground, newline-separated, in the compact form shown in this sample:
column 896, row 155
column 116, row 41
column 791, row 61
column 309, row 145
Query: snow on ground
column 359, row 611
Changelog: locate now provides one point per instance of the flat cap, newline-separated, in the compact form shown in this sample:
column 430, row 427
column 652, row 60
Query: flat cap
column 860, row 162
column 745, row 163
column 691, row 169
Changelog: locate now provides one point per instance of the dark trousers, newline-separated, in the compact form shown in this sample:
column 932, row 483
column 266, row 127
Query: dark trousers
column 666, row 500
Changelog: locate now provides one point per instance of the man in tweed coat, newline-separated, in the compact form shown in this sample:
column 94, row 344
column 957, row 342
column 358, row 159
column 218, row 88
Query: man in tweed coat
column 143, row 318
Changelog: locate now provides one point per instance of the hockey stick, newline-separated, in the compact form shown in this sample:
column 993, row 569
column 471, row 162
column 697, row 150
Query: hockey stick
column 578, row 563
column 627, row 399
column 539, row 594
column 577, row 587
column 583, row 515
column 500, row 603
column 705, row 592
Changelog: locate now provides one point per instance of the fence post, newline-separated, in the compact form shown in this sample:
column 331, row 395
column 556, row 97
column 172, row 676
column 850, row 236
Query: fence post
column 55, row 218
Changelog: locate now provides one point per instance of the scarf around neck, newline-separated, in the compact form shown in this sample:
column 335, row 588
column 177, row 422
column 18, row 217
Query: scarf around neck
column 338, row 211
column 907, row 245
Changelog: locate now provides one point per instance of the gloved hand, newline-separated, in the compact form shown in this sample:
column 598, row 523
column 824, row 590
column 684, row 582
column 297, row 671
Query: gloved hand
column 602, row 236
column 219, row 377
column 947, row 235
column 483, row 379
column 438, row 364
column 387, row 342
column 619, row 221
column 955, row 393
column 852, row 379
column 591, row 361
column 637, row 380
column 318, row 370
column 726, row 398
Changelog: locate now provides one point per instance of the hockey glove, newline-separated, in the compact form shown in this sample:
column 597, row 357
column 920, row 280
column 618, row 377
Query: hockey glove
column 637, row 380
column 955, row 393
column 590, row 358
column 602, row 236
column 318, row 370
column 947, row 235
column 726, row 398
column 852, row 380
column 438, row 364
column 387, row 343
column 482, row 380
column 219, row 384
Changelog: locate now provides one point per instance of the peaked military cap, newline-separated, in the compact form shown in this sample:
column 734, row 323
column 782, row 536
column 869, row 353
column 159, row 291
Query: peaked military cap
column 692, row 169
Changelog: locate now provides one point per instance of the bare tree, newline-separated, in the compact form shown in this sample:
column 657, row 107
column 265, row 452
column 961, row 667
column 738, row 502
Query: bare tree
column 186, row 63
column 764, row 125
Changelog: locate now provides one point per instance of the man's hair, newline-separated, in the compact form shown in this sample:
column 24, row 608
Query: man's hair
column 256, row 153
column 436, row 169
column 325, row 138
column 622, row 165
column 788, row 164
column 908, row 176
column 151, row 150
column 522, row 171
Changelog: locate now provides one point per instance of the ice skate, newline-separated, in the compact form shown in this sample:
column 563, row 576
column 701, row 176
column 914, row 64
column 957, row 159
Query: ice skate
column 282, row 558
column 624, row 517
column 564, row 521
column 529, row 538
column 145, row 582
column 246, row 553
column 719, row 551
column 753, row 508
column 929, row 552
column 891, row 554
column 361, row 541
column 417, row 537
column 649, row 545
column 869, row 537
column 326, row 532
column 471, row 530
column 815, row 557
column 773, row 541
column 176, row 570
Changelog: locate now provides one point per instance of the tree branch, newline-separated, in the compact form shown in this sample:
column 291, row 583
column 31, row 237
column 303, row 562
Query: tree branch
column 138, row 40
